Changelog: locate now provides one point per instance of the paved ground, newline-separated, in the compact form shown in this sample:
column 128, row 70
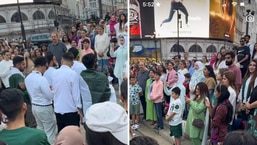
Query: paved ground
column 161, row 136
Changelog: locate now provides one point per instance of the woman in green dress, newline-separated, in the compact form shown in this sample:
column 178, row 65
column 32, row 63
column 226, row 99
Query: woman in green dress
column 150, row 111
column 197, row 111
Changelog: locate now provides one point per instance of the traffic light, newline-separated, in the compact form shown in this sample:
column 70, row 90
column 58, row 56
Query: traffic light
column 56, row 24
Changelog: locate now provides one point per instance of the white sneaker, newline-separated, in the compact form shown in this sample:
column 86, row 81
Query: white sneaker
column 136, row 126
column 133, row 126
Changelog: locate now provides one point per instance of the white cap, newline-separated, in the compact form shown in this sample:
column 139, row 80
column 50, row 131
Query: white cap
column 108, row 117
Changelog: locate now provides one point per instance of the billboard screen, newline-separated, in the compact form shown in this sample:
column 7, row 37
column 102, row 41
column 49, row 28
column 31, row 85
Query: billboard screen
column 141, row 20
column 222, row 20
column 193, row 22
column 6, row 2
column 48, row 1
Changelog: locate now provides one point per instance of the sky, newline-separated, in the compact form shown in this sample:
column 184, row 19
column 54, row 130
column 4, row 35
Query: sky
column 3, row 2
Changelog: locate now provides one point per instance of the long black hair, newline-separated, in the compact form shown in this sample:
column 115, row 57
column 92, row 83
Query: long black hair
column 211, row 74
column 224, row 95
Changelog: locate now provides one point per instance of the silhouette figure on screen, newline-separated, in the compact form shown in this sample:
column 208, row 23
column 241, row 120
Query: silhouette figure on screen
column 176, row 5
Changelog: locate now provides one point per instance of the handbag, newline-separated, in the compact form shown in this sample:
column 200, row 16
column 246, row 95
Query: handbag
column 198, row 123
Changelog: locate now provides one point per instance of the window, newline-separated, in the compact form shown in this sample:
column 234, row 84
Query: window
column 38, row 15
column 211, row 48
column 93, row 4
column 2, row 19
column 195, row 48
column 16, row 17
column 51, row 15
column 174, row 48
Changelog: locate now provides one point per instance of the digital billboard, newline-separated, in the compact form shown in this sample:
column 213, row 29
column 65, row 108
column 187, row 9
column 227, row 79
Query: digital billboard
column 193, row 21
column 48, row 1
column 141, row 19
column 222, row 20
column 5, row 2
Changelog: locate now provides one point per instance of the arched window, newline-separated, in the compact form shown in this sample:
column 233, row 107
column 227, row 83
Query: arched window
column 195, row 48
column 51, row 15
column 16, row 17
column 211, row 48
column 2, row 19
column 38, row 15
column 175, row 47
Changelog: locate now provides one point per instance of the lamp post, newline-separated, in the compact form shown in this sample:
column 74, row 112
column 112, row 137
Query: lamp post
column 178, row 20
column 155, row 45
column 22, row 26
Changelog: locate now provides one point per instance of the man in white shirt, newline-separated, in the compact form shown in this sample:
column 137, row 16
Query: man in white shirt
column 51, row 59
column 77, row 66
column 41, row 98
column 6, row 66
column 67, row 103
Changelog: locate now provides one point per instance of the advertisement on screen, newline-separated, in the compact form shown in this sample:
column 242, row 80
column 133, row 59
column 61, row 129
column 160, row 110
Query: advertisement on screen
column 141, row 19
column 6, row 2
column 222, row 19
column 193, row 18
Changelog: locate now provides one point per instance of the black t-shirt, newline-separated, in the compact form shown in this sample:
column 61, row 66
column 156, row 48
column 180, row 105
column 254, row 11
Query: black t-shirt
column 241, row 53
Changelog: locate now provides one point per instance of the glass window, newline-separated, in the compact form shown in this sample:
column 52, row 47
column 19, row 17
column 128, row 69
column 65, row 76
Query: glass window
column 211, row 48
column 51, row 15
column 195, row 48
column 38, row 15
column 16, row 17
column 2, row 19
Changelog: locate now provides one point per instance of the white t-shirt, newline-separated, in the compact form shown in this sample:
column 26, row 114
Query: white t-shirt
column 176, row 107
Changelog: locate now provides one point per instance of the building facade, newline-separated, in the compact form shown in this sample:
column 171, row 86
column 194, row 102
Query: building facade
column 37, row 18
column 166, row 48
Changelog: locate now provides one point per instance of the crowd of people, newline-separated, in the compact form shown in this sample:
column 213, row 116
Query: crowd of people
column 214, row 97
column 68, row 83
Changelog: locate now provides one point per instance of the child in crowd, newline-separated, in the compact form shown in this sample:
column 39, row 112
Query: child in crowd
column 174, row 116
column 156, row 96
column 134, row 92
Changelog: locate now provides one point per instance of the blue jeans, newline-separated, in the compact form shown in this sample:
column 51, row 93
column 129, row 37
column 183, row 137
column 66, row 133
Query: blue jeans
column 158, row 108
column 103, row 65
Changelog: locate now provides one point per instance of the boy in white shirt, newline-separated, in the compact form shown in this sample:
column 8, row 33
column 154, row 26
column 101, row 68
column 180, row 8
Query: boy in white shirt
column 174, row 116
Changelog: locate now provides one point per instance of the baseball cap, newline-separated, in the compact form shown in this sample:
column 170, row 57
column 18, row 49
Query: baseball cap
column 108, row 117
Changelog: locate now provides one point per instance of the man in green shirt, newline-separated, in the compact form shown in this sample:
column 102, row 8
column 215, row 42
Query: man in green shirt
column 16, row 80
column 16, row 133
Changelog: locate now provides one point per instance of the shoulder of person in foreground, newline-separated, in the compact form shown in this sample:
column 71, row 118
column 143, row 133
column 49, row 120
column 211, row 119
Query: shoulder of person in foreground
column 143, row 140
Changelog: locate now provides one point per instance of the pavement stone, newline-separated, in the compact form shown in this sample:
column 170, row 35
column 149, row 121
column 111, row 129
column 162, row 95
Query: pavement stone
column 162, row 136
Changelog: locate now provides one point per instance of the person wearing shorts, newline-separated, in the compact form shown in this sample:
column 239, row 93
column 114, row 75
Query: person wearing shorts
column 134, row 92
column 174, row 116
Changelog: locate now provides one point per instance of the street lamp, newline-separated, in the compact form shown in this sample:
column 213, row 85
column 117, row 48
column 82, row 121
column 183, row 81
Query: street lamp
column 22, row 26
column 178, row 20
column 78, row 3
column 155, row 45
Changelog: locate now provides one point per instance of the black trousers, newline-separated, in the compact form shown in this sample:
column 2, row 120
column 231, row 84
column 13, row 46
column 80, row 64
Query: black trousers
column 67, row 119
column 143, row 102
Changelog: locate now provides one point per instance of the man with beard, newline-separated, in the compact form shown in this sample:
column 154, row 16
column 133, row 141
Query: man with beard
column 229, row 59
column 57, row 47
column 143, row 75
column 16, row 80
column 243, row 56
column 249, row 44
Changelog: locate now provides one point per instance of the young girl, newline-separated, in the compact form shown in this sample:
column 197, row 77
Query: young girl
column 221, row 116
column 228, row 80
